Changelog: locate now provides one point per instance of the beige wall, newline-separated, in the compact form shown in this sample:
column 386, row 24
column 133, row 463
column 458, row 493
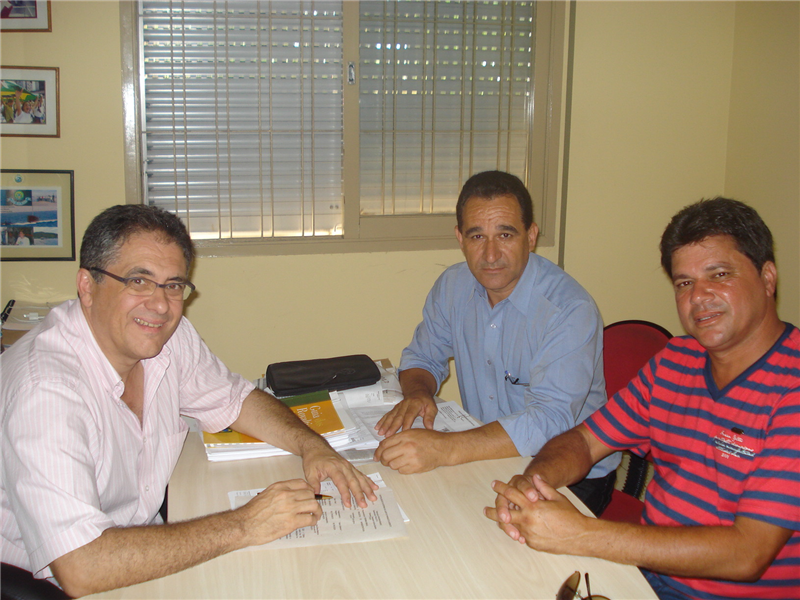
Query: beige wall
column 672, row 102
column 84, row 44
column 649, row 129
column 763, row 150
column 651, row 114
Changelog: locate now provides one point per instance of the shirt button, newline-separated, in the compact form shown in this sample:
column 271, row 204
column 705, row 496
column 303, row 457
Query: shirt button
column 488, row 362
column 147, row 488
column 491, row 397
column 493, row 326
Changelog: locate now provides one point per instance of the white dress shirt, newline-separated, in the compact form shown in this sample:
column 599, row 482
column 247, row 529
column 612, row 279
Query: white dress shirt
column 76, row 459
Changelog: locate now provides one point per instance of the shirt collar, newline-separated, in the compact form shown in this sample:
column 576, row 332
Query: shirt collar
column 522, row 291
column 93, row 355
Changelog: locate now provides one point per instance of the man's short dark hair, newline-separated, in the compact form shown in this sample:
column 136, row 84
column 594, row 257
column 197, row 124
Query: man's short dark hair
column 489, row 184
column 718, row 216
column 109, row 230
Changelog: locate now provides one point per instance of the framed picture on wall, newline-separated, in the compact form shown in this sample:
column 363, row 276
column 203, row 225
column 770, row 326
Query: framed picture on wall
column 37, row 215
column 30, row 105
column 25, row 15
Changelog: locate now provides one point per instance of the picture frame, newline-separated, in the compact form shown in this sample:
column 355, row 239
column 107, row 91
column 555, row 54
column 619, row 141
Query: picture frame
column 30, row 102
column 37, row 215
column 26, row 15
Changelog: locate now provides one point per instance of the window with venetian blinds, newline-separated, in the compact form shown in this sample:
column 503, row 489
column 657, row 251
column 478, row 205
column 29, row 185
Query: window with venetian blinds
column 243, row 110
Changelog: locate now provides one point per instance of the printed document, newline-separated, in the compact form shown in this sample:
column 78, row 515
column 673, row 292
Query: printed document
column 381, row 520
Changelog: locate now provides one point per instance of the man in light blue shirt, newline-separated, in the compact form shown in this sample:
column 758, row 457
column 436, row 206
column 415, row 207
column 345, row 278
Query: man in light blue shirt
column 527, row 343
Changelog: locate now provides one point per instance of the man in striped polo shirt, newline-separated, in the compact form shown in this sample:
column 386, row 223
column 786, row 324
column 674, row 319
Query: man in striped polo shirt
column 719, row 412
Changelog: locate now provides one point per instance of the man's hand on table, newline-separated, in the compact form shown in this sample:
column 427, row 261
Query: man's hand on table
column 323, row 462
column 540, row 516
column 414, row 451
column 402, row 416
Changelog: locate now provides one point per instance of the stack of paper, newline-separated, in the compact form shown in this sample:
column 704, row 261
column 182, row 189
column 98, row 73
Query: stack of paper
column 346, row 418
column 367, row 405
column 322, row 413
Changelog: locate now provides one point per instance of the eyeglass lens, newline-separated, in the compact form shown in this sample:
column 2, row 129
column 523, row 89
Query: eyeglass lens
column 145, row 287
column 569, row 589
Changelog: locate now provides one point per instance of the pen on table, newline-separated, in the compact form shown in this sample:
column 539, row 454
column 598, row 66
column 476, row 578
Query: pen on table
column 322, row 497
column 6, row 311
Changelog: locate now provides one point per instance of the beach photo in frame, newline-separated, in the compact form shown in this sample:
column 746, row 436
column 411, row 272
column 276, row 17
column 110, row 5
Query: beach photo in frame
column 30, row 105
column 37, row 215
column 25, row 15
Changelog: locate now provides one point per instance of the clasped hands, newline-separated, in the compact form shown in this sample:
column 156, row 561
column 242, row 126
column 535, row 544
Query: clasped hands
column 532, row 512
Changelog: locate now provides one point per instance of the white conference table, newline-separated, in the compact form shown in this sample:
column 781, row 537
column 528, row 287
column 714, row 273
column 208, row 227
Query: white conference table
column 451, row 550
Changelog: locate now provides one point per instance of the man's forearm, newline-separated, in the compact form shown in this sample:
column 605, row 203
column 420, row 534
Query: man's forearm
column 567, row 458
column 122, row 556
column 415, row 382
column 125, row 556
column 270, row 420
column 723, row 552
column 487, row 442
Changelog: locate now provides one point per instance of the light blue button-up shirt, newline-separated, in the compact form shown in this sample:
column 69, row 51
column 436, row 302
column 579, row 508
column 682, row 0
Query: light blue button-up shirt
column 533, row 362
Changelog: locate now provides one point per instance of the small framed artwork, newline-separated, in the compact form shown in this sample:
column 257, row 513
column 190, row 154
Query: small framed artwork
column 30, row 102
column 37, row 215
column 25, row 15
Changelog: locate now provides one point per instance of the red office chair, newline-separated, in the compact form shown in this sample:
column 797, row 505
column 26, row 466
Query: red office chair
column 627, row 346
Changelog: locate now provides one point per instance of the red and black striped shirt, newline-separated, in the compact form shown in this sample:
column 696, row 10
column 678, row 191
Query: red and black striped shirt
column 717, row 453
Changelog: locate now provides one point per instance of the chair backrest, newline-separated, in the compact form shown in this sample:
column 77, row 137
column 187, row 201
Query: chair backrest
column 627, row 346
column 19, row 584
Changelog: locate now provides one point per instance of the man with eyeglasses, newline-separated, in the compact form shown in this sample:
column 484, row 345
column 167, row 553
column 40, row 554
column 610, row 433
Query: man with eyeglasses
column 719, row 412
column 91, row 427
column 526, row 339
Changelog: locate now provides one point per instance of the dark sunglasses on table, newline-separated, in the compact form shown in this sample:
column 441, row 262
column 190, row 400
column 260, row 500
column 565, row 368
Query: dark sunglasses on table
column 141, row 286
column 569, row 589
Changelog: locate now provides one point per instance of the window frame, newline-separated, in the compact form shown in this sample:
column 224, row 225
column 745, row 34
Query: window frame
column 380, row 233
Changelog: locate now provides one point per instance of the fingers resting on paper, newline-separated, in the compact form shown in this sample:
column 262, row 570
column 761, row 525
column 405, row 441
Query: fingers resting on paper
column 402, row 416
column 347, row 479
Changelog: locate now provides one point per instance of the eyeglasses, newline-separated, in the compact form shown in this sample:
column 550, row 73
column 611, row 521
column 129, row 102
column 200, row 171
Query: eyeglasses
column 141, row 286
column 569, row 589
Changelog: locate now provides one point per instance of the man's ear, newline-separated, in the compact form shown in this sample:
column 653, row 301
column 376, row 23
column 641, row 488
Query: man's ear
column 459, row 237
column 533, row 235
column 85, row 283
column 769, row 275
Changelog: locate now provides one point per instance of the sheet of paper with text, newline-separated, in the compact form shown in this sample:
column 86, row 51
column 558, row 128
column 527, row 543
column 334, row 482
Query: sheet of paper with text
column 381, row 520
